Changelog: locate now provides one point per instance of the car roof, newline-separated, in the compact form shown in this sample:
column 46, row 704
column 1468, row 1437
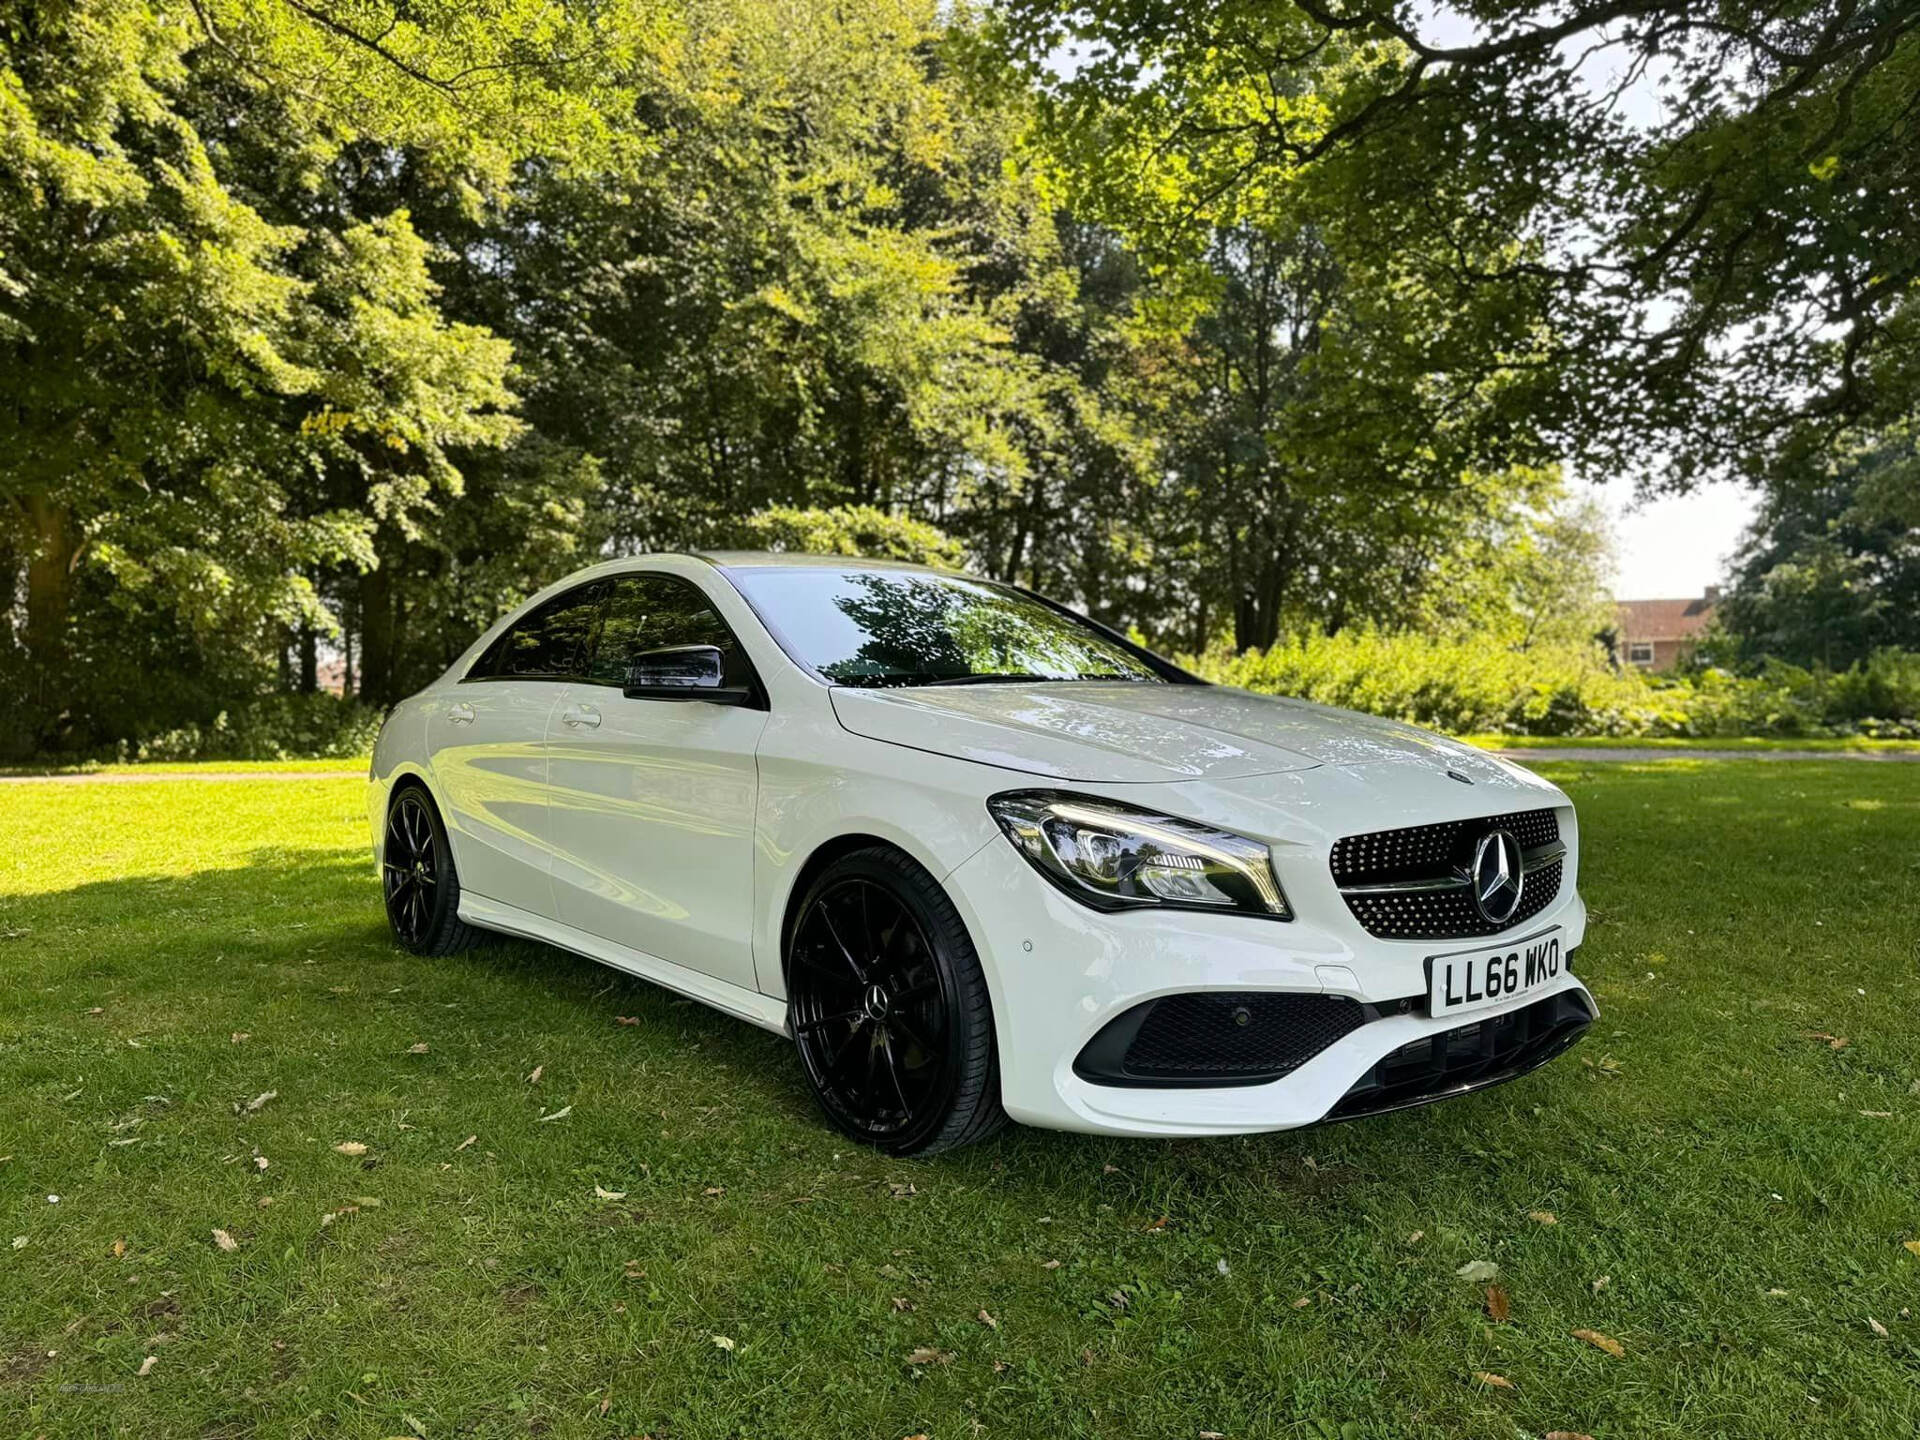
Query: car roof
column 757, row 559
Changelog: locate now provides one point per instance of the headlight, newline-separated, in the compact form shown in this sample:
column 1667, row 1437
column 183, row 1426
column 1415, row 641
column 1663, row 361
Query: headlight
column 1115, row 857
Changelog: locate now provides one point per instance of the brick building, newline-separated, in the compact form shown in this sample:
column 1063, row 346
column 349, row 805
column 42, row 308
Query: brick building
column 1658, row 634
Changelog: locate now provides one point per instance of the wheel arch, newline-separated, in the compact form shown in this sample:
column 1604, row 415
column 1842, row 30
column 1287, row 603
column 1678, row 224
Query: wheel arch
column 832, row 848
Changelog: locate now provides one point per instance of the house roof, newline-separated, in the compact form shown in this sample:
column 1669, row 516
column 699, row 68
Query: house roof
column 1665, row 619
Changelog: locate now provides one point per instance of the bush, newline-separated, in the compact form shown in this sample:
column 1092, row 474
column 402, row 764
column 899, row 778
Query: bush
column 1464, row 687
column 272, row 727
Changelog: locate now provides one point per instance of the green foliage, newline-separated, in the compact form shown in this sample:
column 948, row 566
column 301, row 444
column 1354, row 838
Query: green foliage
column 843, row 530
column 1714, row 276
column 1830, row 569
column 1468, row 686
column 272, row 727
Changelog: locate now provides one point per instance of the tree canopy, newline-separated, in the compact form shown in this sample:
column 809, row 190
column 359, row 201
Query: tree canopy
column 331, row 328
column 1710, row 210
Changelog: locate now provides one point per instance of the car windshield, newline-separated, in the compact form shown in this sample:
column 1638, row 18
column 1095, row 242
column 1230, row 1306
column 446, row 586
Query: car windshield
column 909, row 627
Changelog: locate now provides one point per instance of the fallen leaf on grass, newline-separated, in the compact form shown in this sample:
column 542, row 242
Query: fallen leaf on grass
column 1211, row 1435
column 1601, row 1342
column 1479, row 1272
column 626, row 1019
column 1498, row 1306
column 353, row 1149
column 1543, row 1217
column 1877, row 1328
column 414, row 1425
column 418, row 1049
column 988, row 1321
column 901, row 1303
column 1159, row 1224
column 724, row 1342
column 714, row 1192
column 1878, row 1114
column 601, row 1193
column 1498, row 1382
column 261, row 1099
column 1567, row 1435
column 1051, row 1265
column 1913, row 1245
column 146, row 1365
column 260, row 1162
column 1303, row 1302
column 1601, row 1283
column 927, row 1355
column 900, row 1190
column 225, row 1241
column 538, row 1071
column 240, row 1037
column 119, row 1249
column 560, row 1114
column 464, row 1143
column 1834, row 1042
column 20, row 1242
column 1416, row 1237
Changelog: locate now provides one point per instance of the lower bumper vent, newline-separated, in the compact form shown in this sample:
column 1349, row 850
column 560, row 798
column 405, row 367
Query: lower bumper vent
column 1217, row 1038
column 1468, row 1057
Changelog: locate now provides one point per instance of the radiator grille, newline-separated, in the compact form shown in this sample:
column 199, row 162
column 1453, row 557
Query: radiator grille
column 1406, row 860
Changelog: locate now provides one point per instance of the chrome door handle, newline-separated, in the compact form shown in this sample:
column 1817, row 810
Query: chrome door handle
column 574, row 716
column 461, row 714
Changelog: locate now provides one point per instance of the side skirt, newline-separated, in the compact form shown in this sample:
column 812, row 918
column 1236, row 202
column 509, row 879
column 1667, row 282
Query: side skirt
column 749, row 1005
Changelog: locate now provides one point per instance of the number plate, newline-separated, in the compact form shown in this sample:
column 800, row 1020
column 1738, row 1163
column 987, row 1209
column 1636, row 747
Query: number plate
column 1475, row 979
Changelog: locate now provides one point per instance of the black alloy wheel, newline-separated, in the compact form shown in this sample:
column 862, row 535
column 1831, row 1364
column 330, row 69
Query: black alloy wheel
column 889, row 1010
column 417, row 876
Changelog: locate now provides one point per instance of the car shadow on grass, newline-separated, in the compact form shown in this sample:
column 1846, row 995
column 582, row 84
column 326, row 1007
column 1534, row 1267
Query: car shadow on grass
column 289, row 943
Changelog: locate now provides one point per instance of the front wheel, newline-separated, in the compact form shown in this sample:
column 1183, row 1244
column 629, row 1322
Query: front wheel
column 888, row 1008
column 417, row 876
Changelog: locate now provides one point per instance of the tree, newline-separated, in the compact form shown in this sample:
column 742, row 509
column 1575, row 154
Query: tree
column 209, row 402
column 1829, row 571
column 1729, row 282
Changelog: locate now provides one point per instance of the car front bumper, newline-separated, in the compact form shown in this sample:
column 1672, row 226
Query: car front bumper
column 1060, row 971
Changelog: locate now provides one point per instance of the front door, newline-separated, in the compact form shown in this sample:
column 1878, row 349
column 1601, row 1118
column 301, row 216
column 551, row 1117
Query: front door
column 653, row 800
column 487, row 739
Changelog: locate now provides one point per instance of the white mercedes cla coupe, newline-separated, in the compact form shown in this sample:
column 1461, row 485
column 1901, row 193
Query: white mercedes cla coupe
column 981, row 857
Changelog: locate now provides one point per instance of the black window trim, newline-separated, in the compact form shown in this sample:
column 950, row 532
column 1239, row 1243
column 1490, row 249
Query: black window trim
column 604, row 583
column 596, row 583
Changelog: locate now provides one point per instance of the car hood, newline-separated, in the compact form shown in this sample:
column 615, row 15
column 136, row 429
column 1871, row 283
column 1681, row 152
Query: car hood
column 1124, row 733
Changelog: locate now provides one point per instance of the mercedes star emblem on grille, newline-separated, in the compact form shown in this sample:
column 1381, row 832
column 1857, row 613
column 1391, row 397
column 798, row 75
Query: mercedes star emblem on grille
column 1498, row 875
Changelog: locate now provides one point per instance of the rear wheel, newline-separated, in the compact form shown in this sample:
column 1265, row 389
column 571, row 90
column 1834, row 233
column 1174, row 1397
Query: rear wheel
column 888, row 1008
column 417, row 875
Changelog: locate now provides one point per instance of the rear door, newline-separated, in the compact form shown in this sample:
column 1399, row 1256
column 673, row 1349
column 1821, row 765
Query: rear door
column 488, row 745
column 653, row 800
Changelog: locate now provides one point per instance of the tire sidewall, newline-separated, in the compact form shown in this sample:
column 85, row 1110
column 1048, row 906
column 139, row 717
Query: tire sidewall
column 951, row 949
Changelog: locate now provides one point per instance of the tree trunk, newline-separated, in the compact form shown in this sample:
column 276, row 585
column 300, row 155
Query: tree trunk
column 376, row 636
column 50, row 563
column 309, row 647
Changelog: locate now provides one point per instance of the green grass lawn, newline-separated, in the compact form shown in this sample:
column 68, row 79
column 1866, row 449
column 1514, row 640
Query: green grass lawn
column 1731, row 1184
column 1752, row 744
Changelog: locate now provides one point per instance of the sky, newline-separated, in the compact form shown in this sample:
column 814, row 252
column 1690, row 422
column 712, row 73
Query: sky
column 1676, row 545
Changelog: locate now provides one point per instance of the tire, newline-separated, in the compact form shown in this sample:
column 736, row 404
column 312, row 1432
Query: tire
column 417, row 877
column 888, row 1008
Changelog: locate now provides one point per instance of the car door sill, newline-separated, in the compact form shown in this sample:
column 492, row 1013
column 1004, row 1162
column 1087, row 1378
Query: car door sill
column 749, row 1005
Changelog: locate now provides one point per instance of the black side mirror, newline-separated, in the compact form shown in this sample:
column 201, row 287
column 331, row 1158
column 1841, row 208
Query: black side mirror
column 683, row 672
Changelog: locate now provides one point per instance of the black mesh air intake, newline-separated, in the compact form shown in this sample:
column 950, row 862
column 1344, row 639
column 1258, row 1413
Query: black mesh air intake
column 1221, row 1038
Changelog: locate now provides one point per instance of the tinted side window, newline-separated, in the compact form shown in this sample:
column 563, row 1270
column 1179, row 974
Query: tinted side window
column 652, row 612
column 553, row 641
